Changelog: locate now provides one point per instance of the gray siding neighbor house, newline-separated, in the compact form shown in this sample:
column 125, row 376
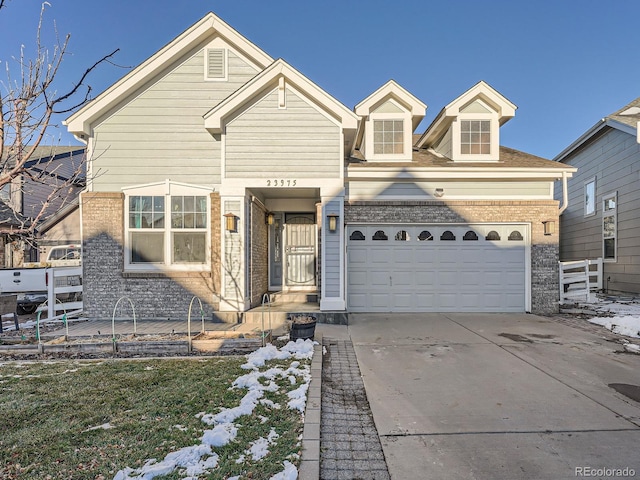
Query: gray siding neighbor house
column 603, row 214
column 225, row 174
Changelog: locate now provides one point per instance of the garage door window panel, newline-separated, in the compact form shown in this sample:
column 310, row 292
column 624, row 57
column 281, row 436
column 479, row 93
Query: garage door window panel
column 356, row 235
column 380, row 235
column 402, row 236
column 425, row 236
column 516, row 236
column 447, row 236
column 470, row 235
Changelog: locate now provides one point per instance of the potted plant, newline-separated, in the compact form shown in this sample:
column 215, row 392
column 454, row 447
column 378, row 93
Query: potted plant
column 302, row 326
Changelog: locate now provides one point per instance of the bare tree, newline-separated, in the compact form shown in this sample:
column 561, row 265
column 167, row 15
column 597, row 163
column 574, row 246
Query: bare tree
column 30, row 100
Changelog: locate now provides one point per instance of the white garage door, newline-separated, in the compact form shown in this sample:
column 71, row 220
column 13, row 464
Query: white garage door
column 436, row 268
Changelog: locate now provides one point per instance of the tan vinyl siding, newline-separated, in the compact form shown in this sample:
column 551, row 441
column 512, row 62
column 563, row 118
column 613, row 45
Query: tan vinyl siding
column 424, row 190
column 475, row 107
column 295, row 142
column 160, row 133
column 388, row 107
column 444, row 145
column 614, row 160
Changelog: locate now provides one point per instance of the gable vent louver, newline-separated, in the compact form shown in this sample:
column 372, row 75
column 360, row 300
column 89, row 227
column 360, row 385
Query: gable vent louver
column 215, row 63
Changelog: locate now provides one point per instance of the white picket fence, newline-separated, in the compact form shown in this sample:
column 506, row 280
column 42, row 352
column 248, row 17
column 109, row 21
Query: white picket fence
column 580, row 279
column 65, row 287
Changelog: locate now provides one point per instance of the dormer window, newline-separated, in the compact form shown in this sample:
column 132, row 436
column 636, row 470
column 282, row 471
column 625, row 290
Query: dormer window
column 468, row 129
column 389, row 117
column 388, row 137
column 475, row 137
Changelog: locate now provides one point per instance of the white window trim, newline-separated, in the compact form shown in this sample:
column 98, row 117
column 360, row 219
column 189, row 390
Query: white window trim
column 407, row 132
column 610, row 213
column 584, row 198
column 456, row 140
column 166, row 189
column 224, row 78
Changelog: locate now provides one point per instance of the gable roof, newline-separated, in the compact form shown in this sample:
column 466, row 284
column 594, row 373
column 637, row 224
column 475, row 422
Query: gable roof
column 44, row 153
column 390, row 90
column 280, row 70
column 481, row 90
column 627, row 120
column 628, row 115
column 209, row 27
column 59, row 215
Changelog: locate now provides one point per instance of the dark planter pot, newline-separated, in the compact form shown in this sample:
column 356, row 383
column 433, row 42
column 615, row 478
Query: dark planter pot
column 302, row 330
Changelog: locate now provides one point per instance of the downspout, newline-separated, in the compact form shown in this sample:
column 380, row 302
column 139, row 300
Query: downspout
column 565, row 194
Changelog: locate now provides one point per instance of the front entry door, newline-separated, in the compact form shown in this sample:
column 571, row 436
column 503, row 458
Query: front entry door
column 300, row 250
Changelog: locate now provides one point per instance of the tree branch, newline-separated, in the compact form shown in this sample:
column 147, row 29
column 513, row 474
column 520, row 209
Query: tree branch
column 29, row 100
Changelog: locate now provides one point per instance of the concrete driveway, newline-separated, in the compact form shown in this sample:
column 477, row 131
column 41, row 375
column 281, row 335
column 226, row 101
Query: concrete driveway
column 497, row 396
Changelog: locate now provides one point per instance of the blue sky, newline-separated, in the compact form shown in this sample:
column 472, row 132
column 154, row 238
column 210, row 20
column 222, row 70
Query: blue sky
column 565, row 64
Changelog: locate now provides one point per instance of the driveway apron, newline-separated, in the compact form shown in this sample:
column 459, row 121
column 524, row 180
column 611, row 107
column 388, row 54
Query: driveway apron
column 497, row 396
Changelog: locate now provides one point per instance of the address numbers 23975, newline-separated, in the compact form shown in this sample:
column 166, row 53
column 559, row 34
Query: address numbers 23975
column 281, row 182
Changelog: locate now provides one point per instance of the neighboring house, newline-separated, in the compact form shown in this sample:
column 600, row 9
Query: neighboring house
column 603, row 216
column 61, row 228
column 225, row 174
column 11, row 246
column 52, row 179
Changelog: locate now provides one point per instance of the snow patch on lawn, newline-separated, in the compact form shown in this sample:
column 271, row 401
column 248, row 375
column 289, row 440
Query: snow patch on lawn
column 625, row 319
column 199, row 459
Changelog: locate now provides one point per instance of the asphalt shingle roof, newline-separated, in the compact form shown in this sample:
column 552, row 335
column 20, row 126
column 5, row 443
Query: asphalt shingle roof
column 509, row 158
column 629, row 114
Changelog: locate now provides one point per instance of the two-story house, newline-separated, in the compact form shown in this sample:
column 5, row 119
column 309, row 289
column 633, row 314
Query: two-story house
column 225, row 174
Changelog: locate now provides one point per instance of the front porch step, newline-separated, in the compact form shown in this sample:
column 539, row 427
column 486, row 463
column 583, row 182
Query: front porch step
column 293, row 297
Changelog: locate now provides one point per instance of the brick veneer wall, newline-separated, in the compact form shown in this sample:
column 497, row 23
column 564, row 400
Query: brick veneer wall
column 544, row 248
column 154, row 295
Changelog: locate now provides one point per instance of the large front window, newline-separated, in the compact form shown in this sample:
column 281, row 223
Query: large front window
column 388, row 137
column 475, row 137
column 167, row 230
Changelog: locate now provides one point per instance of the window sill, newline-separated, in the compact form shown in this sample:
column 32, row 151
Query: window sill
column 165, row 273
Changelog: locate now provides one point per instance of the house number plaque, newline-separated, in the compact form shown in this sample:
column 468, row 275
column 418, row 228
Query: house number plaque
column 281, row 182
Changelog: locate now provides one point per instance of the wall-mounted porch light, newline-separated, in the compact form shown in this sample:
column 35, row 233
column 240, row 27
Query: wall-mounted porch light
column 268, row 218
column 549, row 227
column 231, row 222
column 333, row 221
